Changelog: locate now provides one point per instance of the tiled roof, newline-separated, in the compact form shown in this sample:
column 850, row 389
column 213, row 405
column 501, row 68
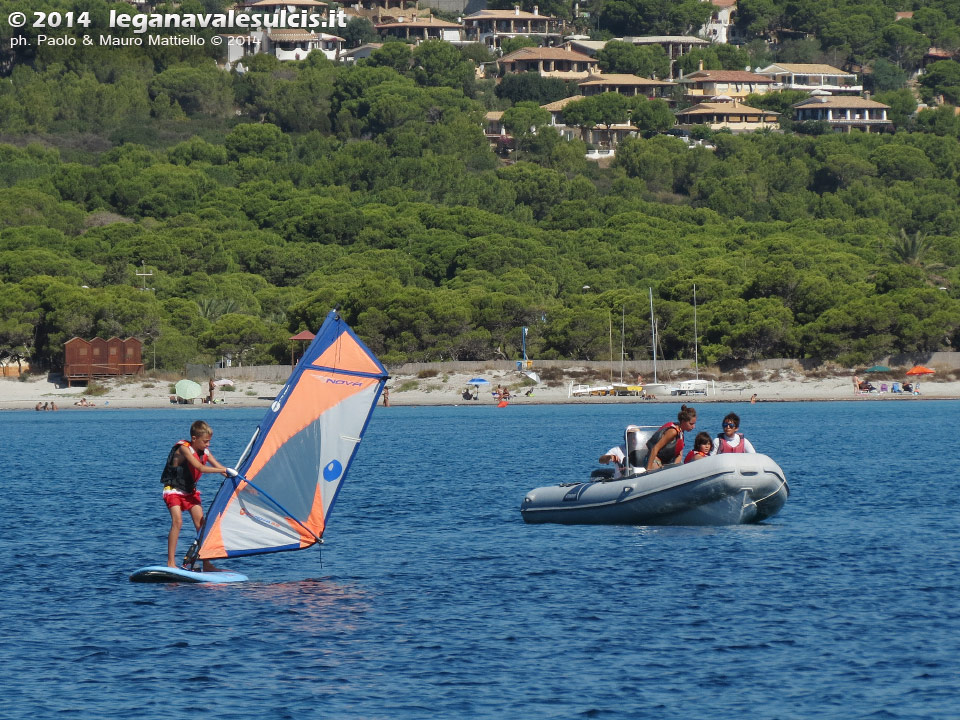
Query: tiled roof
column 290, row 34
column 654, row 39
column 505, row 15
column 561, row 104
column 546, row 53
column 714, row 108
column 805, row 68
column 420, row 24
column 838, row 101
column 729, row 76
column 622, row 79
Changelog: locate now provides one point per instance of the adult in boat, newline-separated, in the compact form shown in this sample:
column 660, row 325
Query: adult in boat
column 731, row 441
column 666, row 444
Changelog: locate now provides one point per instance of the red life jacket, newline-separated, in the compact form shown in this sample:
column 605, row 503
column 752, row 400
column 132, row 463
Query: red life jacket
column 694, row 455
column 182, row 477
column 725, row 447
column 673, row 449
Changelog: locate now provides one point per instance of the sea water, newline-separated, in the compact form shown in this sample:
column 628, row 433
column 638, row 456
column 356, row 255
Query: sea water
column 431, row 598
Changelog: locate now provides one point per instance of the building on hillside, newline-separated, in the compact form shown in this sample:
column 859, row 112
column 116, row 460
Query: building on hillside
column 285, row 43
column 720, row 27
column 418, row 30
column 733, row 83
column 349, row 57
column 549, row 62
column 581, row 44
column 601, row 136
column 501, row 142
column 405, row 7
column 844, row 114
column 936, row 55
column 726, row 113
column 809, row 77
column 556, row 117
column 674, row 45
column 492, row 27
column 389, row 8
column 629, row 85
column 290, row 44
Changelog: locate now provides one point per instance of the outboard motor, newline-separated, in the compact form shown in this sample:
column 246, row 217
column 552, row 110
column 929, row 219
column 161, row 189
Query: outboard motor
column 635, row 441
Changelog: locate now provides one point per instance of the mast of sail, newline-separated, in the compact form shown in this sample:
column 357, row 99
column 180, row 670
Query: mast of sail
column 653, row 335
column 696, row 339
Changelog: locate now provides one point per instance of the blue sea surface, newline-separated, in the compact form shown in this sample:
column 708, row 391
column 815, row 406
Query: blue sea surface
column 431, row 597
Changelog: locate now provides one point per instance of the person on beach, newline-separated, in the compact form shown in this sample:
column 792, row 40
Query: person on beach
column 386, row 396
column 731, row 441
column 211, row 386
column 701, row 447
column 185, row 464
column 666, row 445
column 39, row 406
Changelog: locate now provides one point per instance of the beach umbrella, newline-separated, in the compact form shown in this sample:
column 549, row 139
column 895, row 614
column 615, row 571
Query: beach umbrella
column 188, row 389
column 878, row 368
column 478, row 381
column 920, row 370
column 303, row 336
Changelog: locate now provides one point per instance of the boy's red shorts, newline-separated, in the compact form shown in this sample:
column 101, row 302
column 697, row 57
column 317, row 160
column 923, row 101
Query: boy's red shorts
column 175, row 499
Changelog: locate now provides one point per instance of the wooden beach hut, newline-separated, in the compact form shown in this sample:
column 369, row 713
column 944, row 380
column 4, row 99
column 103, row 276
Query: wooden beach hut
column 87, row 359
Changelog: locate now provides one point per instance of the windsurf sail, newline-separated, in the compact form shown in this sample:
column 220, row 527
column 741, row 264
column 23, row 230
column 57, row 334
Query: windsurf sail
column 294, row 465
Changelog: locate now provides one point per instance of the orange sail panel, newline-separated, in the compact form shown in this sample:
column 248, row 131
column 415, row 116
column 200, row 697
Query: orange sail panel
column 293, row 468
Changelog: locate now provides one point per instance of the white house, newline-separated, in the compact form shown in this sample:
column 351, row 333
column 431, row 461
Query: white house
column 719, row 27
column 844, row 114
column 812, row 76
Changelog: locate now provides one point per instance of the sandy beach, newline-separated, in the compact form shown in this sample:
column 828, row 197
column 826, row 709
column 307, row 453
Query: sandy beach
column 447, row 389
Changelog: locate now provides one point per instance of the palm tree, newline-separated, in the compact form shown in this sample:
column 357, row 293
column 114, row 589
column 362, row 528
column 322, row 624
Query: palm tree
column 912, row 251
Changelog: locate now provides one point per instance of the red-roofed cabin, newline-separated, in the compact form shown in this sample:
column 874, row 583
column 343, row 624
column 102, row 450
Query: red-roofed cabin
column 87, row 359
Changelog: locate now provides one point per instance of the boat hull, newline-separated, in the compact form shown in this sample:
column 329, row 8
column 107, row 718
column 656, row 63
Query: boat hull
column 728, row 489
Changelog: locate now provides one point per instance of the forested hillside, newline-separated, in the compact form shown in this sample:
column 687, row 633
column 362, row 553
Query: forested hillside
column 257, row 201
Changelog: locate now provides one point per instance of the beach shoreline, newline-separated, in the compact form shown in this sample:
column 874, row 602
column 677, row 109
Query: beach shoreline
column 446, row 390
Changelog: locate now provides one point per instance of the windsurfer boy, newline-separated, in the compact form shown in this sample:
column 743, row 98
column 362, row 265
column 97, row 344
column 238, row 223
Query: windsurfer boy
column 186, row 462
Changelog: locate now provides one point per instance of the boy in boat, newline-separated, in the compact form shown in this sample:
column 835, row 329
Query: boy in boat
column 701, row 447
column 186, row 462
column 730, row 441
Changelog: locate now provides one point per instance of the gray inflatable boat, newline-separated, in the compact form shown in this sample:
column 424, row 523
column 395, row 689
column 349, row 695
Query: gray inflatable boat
column 728, row 489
